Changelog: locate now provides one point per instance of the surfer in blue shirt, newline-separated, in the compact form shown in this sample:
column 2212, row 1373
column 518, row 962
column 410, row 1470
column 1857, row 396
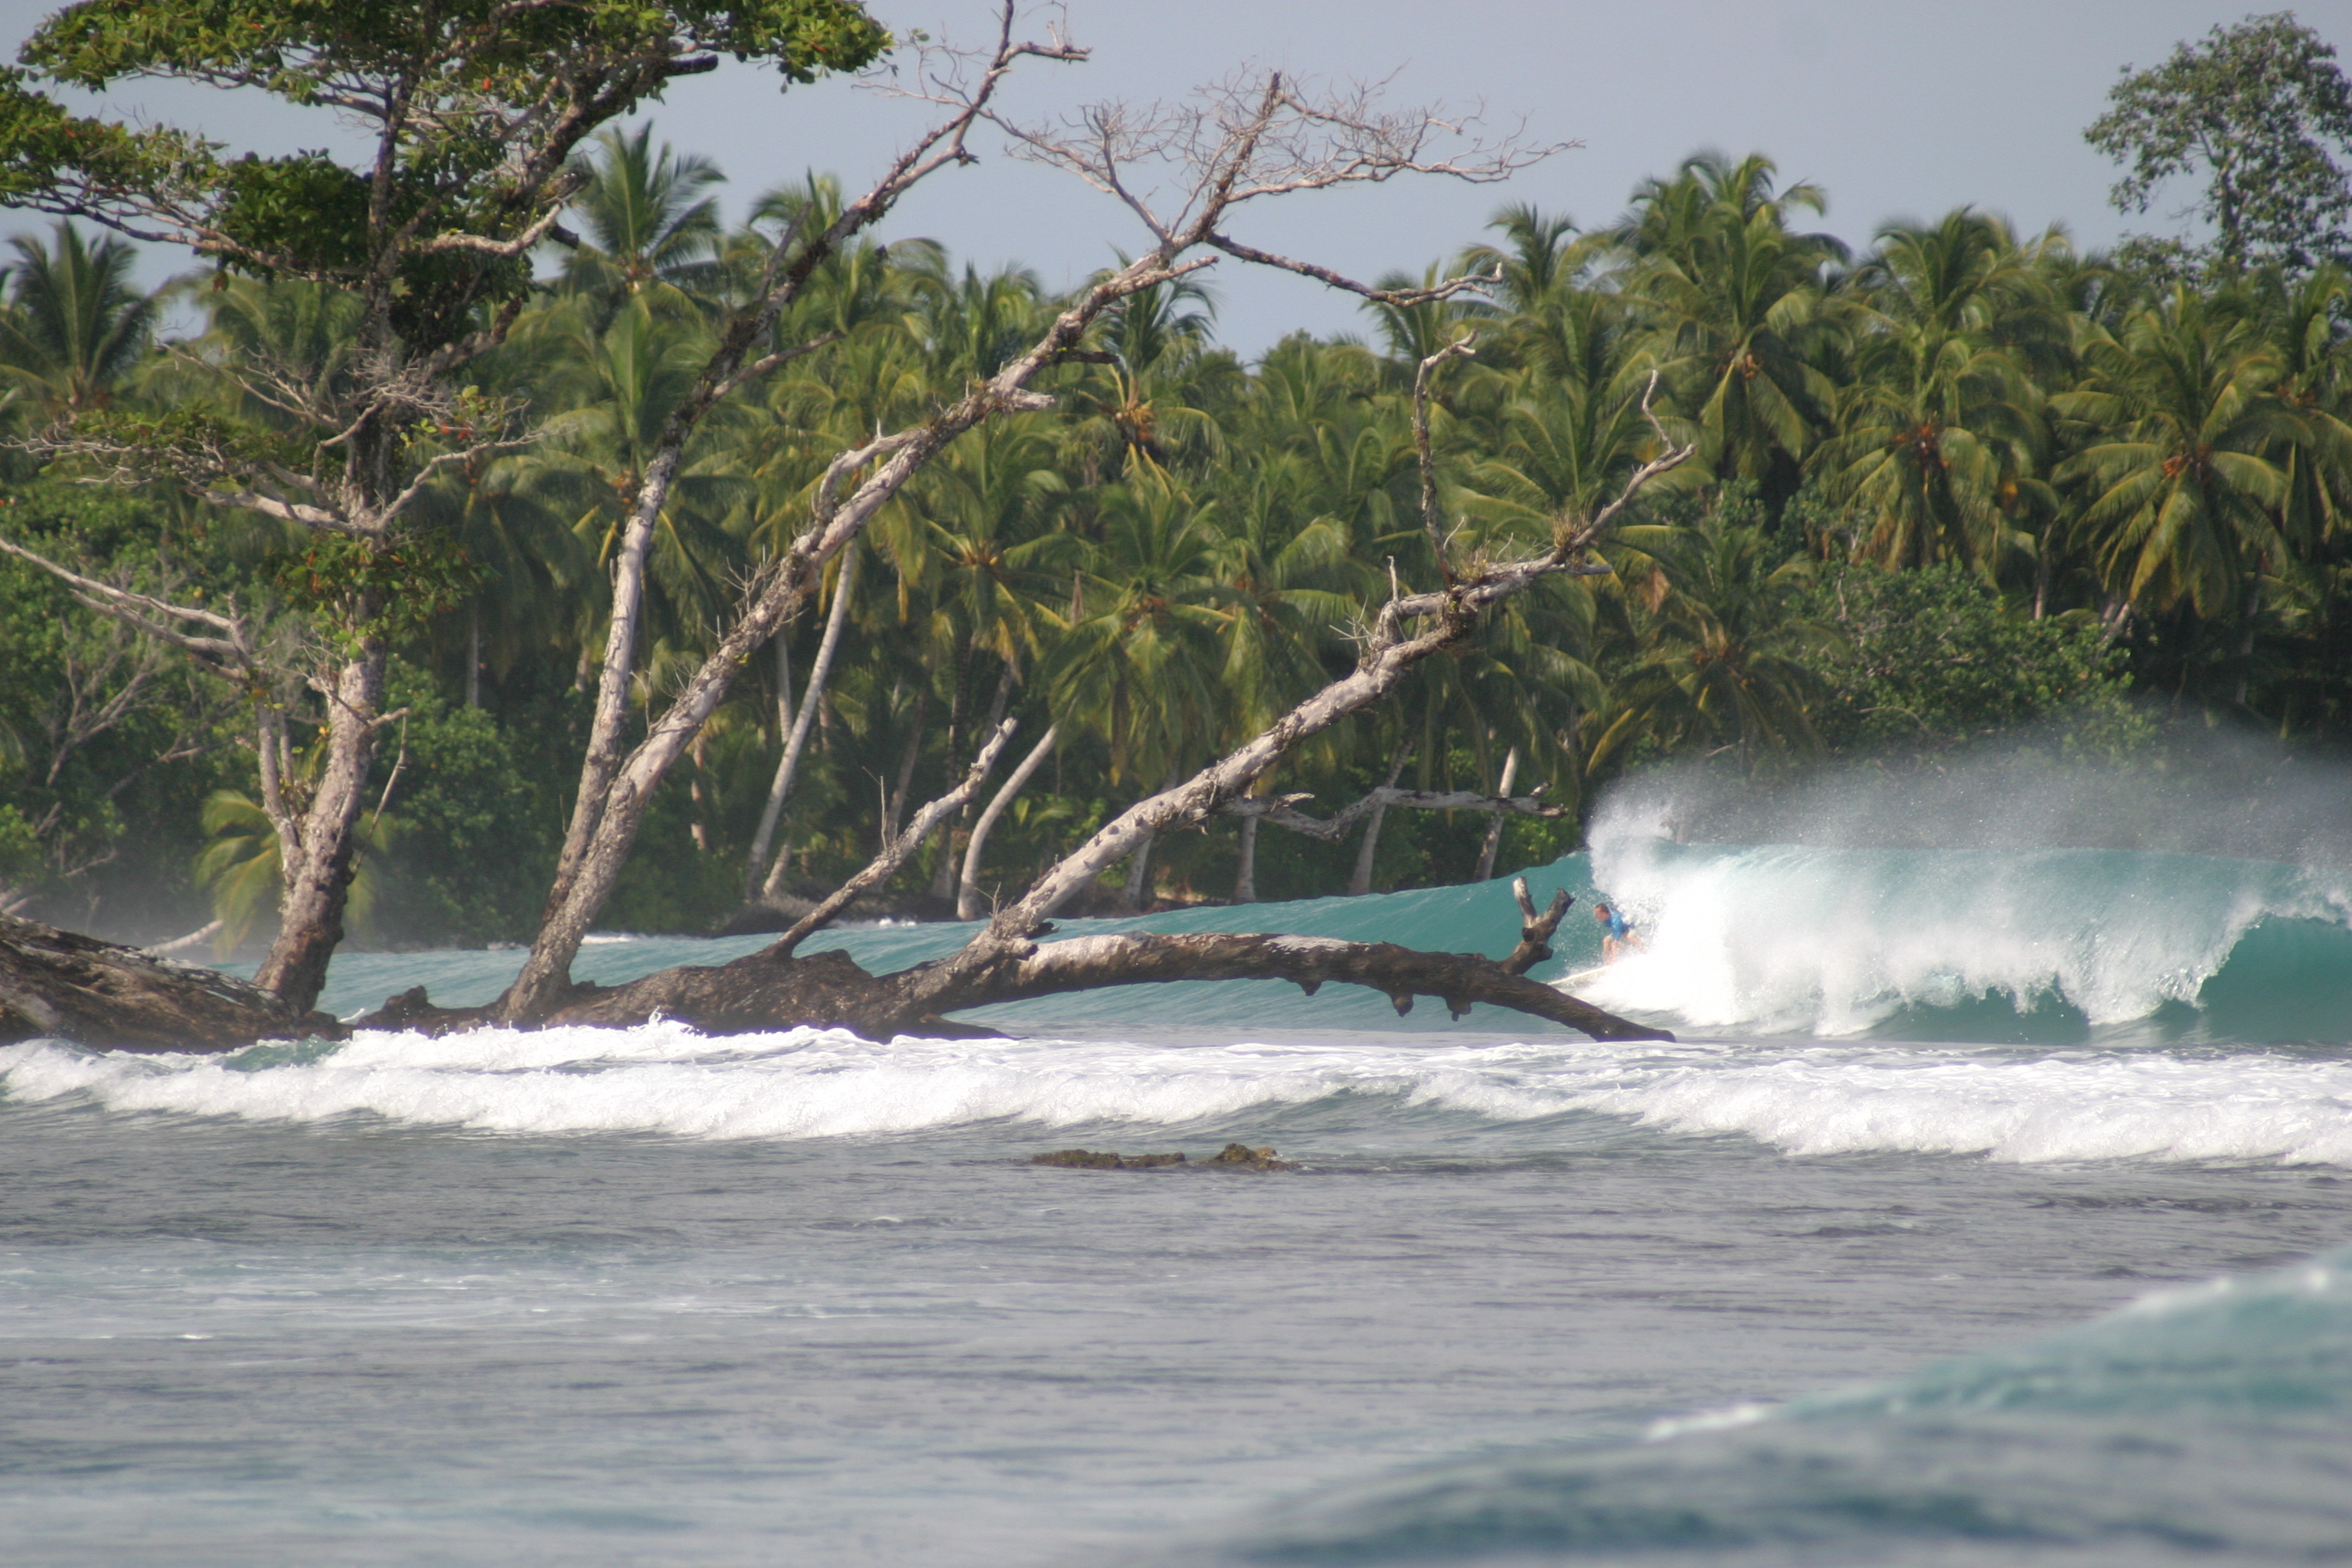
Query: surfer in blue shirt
column 1616, row 935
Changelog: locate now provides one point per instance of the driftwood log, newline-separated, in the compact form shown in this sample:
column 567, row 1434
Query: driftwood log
column 54, row 983
column 61, row 984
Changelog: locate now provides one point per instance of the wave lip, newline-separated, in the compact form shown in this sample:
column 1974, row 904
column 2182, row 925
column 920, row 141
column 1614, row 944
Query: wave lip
column 1798, row 939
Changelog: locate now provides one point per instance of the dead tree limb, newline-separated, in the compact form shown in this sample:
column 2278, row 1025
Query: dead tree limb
column 1280, row 809
column 1495, row 829
column 762, row 991
column 1236, row 144
column 788, row 766
column 1535, row 930
column 968, row 889
column 894, row 855
column 1432, row 522
column 1442, row 620
column 791, row 264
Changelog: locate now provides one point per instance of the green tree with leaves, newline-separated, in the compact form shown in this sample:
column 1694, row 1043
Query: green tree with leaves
column 2263, row 115
column 474, row 110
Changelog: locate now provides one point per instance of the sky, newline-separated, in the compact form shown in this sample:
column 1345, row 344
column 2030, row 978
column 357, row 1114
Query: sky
column 1899, row 109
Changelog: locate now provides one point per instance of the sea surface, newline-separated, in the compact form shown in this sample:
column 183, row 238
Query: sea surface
column 1993, row 1208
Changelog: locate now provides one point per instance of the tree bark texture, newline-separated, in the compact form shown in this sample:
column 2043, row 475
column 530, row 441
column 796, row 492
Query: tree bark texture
column 62, row 985
column 780, row 789
column 310, row 920
column 1494, row 829
column 968, row 891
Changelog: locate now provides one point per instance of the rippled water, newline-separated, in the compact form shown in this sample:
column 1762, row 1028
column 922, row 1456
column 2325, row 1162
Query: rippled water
column 1902, row 1253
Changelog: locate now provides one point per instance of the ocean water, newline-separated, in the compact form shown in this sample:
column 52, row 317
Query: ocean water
column 1992, row 1207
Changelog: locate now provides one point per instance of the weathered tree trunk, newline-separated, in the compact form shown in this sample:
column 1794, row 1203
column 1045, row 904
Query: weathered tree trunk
column 897, row 801
column 474, row 653
column 56, row 983
column 1494, row 829
column 811, row 707
column 968, row 892
column 1246, row 878
column 773, row 807
column 1285, row 143
column 311, row 922
column 1359, row 881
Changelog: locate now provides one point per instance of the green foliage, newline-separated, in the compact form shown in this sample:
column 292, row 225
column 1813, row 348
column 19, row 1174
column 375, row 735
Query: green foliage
column 1966, row 482
column 389, row 590
column 1929, row 660
column 475, row 849
column 2260, row 110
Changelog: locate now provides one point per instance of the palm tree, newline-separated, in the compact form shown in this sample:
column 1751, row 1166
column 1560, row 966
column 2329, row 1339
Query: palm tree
column 242, row 865
column 1720, row 658
column 615, row 385
column 651, row 232
column 1738, row 307
column 2185, row 491
column 1154, row 400
column 76, row 328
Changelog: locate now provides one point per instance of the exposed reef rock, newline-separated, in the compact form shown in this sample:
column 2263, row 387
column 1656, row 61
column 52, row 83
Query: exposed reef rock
column 60, row 983
column 1240, row 1156
column 1092, row 1160
column 1232, row 1157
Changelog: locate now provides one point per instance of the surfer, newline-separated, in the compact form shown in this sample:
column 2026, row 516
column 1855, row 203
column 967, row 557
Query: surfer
column 1616, row 935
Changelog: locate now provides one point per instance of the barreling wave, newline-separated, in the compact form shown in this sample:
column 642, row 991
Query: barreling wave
column 2198, row 1425
column 1988, row 946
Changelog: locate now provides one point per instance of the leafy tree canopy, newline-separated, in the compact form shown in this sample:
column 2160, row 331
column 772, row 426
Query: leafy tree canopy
column 477, row 107
column 2261, row 110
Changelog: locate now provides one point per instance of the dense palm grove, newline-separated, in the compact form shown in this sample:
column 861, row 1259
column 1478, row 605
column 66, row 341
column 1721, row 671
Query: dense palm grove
column 1967, row 482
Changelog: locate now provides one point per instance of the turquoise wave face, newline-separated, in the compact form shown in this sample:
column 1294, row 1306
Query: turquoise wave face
column 1989, row 946
column 2201, row 1425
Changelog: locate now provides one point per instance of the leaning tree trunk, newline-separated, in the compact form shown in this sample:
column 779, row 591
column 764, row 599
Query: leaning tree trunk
column 310, row 923
column 1494, row 829
column 1359, row 881
column 968, row 889
column 811, row 704
column 1245, row 877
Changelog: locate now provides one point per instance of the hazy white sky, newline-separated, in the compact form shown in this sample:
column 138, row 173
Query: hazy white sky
column 1899, row 108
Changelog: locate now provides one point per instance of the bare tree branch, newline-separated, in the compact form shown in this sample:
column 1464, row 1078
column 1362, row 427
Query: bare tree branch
column 1460, row 348
column 895, row 853
column 230, row 654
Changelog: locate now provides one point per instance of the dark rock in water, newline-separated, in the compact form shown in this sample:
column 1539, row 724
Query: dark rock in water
column 1240, row 1156
column 412, row 1009
column 1092, row 1160
column 74, row 987
column 1234, row 1157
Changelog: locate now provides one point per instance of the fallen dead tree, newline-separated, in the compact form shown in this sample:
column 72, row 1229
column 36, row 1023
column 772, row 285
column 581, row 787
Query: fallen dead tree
column 772, row 987
column 1249, row 141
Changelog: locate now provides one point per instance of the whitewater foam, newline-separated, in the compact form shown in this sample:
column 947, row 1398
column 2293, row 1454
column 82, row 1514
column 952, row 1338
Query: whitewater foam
column 809, row 1083
column 2103, row 1107
column 1789, row 938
